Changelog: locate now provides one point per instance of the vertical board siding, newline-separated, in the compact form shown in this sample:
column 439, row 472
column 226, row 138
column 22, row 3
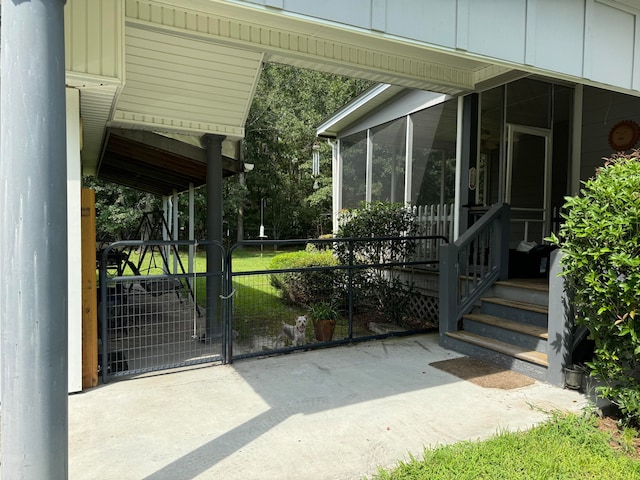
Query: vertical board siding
column 598, row 40
column 551, row 24
column 93, row 37
column 611, row 45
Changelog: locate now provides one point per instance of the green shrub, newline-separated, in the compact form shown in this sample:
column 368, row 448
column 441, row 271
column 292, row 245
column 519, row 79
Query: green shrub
column 307, row 287
column 378, row 219
column 379, row 288
column 600, row 240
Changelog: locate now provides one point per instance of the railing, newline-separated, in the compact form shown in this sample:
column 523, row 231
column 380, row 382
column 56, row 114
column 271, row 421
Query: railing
column 434, row 221
column 472, row 263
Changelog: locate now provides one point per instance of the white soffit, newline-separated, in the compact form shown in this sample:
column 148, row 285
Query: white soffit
column 319, row 45
column 184, row 84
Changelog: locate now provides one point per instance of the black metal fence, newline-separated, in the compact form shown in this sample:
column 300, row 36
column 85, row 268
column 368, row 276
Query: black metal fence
column 366, row 287
column 157, row 313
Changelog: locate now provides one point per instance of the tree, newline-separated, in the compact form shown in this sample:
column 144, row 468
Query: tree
column 280, row 137
column 118, row 210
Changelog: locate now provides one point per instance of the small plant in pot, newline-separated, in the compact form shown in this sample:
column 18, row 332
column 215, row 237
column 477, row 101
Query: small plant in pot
column 324, row 316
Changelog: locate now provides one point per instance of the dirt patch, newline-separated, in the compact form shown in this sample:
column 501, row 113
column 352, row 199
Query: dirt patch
column 611, row 426
column 484, row 374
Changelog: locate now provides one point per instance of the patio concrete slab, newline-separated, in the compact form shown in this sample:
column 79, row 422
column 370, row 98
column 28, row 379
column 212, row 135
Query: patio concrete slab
column 337, row 413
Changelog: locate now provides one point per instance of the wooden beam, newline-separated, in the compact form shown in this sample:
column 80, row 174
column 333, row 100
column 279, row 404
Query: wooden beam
column 89, row 291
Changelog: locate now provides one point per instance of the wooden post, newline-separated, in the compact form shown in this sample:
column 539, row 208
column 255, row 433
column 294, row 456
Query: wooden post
column 89, row 291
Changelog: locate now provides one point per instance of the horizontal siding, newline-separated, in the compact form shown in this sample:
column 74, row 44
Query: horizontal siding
column 182, row 81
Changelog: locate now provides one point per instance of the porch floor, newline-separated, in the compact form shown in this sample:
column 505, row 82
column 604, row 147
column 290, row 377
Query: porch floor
column 333, row 413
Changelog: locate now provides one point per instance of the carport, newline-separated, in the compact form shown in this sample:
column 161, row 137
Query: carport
column 187, row 70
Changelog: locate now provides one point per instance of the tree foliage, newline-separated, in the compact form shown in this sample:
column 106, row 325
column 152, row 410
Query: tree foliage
column 118, row 209
column 280, row 136
column 600, row 240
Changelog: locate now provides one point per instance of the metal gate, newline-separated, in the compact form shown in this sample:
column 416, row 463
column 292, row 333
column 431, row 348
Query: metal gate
column 153, row 313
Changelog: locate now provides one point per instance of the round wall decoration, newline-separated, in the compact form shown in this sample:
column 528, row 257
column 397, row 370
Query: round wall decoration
column 624, row 135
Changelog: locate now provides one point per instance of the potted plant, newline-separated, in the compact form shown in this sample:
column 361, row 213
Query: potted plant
column 324, row 316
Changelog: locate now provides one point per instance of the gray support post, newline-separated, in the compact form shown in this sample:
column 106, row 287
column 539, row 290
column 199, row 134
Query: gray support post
column 448, row 295
column 560, row 326
column 33, row 235
column 505, row 235
column 191, row 230
column 213, row 144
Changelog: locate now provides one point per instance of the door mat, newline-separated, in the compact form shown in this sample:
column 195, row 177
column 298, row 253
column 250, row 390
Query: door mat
column 482, row 373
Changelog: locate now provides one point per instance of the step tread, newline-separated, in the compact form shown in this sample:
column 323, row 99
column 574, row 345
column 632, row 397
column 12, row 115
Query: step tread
column 537, row 285
column 532, row 307
column 531, row 356
column 512, row 325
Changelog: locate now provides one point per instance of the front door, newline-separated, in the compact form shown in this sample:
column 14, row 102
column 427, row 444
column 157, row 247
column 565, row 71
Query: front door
column 527, row 182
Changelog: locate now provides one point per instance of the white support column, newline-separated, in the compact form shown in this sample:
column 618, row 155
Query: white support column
column 458, row 188
column 191, row 227
column 336, row 186
column 408, row 170
column 369, row 174
column 74, row 239
column 166, row 217
column 175, row 230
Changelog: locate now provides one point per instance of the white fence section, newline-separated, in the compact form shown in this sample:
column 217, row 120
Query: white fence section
column 433, row 220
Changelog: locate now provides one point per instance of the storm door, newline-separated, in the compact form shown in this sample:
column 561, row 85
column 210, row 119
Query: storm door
column 527, row 182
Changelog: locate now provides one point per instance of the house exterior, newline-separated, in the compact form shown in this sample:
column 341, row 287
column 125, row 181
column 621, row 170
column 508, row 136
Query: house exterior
column 176, row 77
column 401, row 145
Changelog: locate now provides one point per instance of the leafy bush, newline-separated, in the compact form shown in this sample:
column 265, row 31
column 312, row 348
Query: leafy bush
column 377, row 219
column 304, row 287
column 378, row 288
column 600, row 240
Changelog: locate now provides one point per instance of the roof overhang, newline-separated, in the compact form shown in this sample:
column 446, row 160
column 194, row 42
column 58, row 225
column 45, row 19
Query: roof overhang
column 155, row 163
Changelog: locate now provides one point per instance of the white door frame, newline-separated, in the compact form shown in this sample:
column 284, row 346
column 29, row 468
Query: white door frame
column 539, row 132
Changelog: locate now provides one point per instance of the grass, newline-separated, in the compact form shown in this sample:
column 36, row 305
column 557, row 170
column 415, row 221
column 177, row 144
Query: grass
column 258, row 308
column 255, row 303
column 564, row 447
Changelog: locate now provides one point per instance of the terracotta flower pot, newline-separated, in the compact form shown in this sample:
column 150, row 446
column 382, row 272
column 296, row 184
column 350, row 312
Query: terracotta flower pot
column 324, row 329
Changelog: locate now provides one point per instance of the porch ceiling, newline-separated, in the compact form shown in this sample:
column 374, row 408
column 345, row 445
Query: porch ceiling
column 191, row 67
column 156, row 164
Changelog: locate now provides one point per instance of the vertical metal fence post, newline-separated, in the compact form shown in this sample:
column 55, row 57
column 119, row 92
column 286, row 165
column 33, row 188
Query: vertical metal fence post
column 103, row 313
column 350, row 292
column 213, row 145
column 228, row 352
column 33, row 235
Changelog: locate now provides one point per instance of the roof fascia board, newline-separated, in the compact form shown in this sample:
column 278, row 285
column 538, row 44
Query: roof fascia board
column 351, row 108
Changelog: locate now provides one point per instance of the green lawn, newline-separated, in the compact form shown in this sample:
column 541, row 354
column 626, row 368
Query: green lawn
column 566, row 447
column 257, row 306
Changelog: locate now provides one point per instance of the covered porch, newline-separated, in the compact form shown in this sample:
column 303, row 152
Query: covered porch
column 188, row 69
